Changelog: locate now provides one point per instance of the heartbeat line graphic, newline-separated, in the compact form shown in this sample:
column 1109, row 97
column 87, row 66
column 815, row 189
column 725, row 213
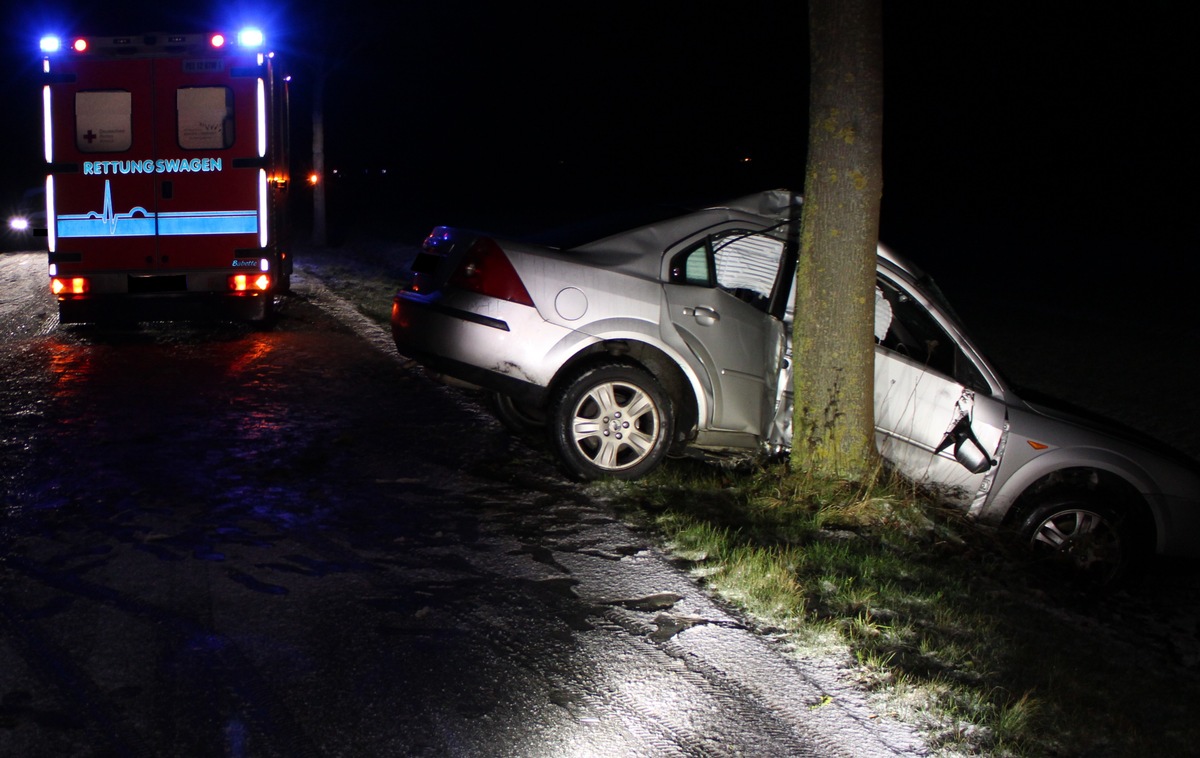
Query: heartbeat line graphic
column 139, row 222
column 111, row 218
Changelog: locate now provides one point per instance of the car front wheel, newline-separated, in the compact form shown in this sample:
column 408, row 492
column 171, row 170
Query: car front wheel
column 611, row 420
column 1087, row 537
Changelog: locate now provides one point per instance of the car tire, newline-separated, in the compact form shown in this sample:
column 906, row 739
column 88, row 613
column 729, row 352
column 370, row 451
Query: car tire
column 1083, row 536
column 517, row 417
column 611, row 420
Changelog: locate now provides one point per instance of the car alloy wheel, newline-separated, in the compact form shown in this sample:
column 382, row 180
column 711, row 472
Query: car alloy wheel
column 1080, row 535
column 611, row 420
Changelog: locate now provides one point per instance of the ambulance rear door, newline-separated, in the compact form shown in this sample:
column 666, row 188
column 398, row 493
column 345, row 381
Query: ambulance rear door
column 210, row 139
column 104, row 195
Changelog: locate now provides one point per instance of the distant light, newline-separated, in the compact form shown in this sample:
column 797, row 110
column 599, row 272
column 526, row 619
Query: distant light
column 217, row 40
column 50, row 44
column 18, row 224
column 250, row 38
column 313, row 178
column 80, row 45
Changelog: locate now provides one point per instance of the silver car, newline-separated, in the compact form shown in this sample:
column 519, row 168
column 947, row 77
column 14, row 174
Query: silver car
column 675, row 337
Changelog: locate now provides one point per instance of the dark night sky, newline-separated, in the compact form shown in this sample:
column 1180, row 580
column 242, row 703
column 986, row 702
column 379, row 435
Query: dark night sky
column 1025, row 141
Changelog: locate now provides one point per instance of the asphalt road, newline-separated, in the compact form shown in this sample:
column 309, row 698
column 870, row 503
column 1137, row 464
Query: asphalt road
column 218, row 540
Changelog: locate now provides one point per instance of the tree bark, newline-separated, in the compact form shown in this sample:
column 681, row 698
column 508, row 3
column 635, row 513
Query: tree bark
column 835, row 279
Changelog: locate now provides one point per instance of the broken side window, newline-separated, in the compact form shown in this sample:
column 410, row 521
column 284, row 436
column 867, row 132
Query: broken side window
column 744, row 264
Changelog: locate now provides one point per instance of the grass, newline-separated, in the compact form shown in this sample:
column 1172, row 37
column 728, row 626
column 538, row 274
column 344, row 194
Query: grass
column 942, row 618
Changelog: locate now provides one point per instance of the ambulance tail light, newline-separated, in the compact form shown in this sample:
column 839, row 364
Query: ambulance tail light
column 257, row 282
column 69, row 285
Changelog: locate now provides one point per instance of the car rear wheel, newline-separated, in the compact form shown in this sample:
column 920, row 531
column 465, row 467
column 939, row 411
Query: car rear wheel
column 1080, row 534
column 611, row 420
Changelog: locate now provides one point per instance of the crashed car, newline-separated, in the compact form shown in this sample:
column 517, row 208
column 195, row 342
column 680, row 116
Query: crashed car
column 674, row 337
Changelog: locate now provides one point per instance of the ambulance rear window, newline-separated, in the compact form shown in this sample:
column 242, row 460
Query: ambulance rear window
column 103, row 121
column 205, row 117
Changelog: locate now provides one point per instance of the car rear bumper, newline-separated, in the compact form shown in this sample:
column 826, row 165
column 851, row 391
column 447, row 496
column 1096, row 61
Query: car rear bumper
column 487, row 342
column 167, row 307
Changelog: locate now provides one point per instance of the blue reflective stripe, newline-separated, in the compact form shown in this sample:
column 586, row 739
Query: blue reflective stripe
column 169, row 224
column 208, row 222
column 93, row 225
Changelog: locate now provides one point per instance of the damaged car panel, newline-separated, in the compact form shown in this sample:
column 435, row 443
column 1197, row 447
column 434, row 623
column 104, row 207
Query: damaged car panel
column 675, row 336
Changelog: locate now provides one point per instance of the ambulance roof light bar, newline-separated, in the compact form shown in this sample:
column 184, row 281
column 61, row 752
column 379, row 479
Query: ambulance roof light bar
column 246, row 38
column 249, row 38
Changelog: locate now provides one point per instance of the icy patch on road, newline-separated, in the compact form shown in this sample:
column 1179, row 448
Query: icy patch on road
column 812, row 696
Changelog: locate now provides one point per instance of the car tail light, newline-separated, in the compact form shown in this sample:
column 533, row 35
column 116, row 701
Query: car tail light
column 486, row 270
column 75, row 285
column 250, row 282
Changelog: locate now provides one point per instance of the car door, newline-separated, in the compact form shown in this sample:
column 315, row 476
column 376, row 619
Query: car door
column 718, row 295
column 931, row 398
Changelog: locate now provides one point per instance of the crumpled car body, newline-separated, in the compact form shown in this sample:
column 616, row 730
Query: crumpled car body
column 675, row 337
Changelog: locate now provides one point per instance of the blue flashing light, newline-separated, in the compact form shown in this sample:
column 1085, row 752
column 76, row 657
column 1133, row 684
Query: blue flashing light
column 250, row 37
column 50, row 44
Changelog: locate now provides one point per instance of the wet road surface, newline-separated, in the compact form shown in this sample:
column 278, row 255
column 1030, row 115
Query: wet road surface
column 218, row 540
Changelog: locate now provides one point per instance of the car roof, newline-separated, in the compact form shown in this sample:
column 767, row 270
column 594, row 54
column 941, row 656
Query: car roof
column 633, row 240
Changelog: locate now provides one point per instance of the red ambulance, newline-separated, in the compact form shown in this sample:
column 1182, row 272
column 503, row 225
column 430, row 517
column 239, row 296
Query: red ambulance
column 167, row 176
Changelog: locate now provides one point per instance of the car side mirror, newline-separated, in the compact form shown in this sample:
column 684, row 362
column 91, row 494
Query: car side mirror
column 968, row 453
column 968, row 450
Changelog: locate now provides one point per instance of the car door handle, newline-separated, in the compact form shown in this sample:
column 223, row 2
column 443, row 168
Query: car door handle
column 704, row 315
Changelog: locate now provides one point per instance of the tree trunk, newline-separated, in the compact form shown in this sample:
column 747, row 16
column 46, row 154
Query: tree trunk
column 834, row 338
